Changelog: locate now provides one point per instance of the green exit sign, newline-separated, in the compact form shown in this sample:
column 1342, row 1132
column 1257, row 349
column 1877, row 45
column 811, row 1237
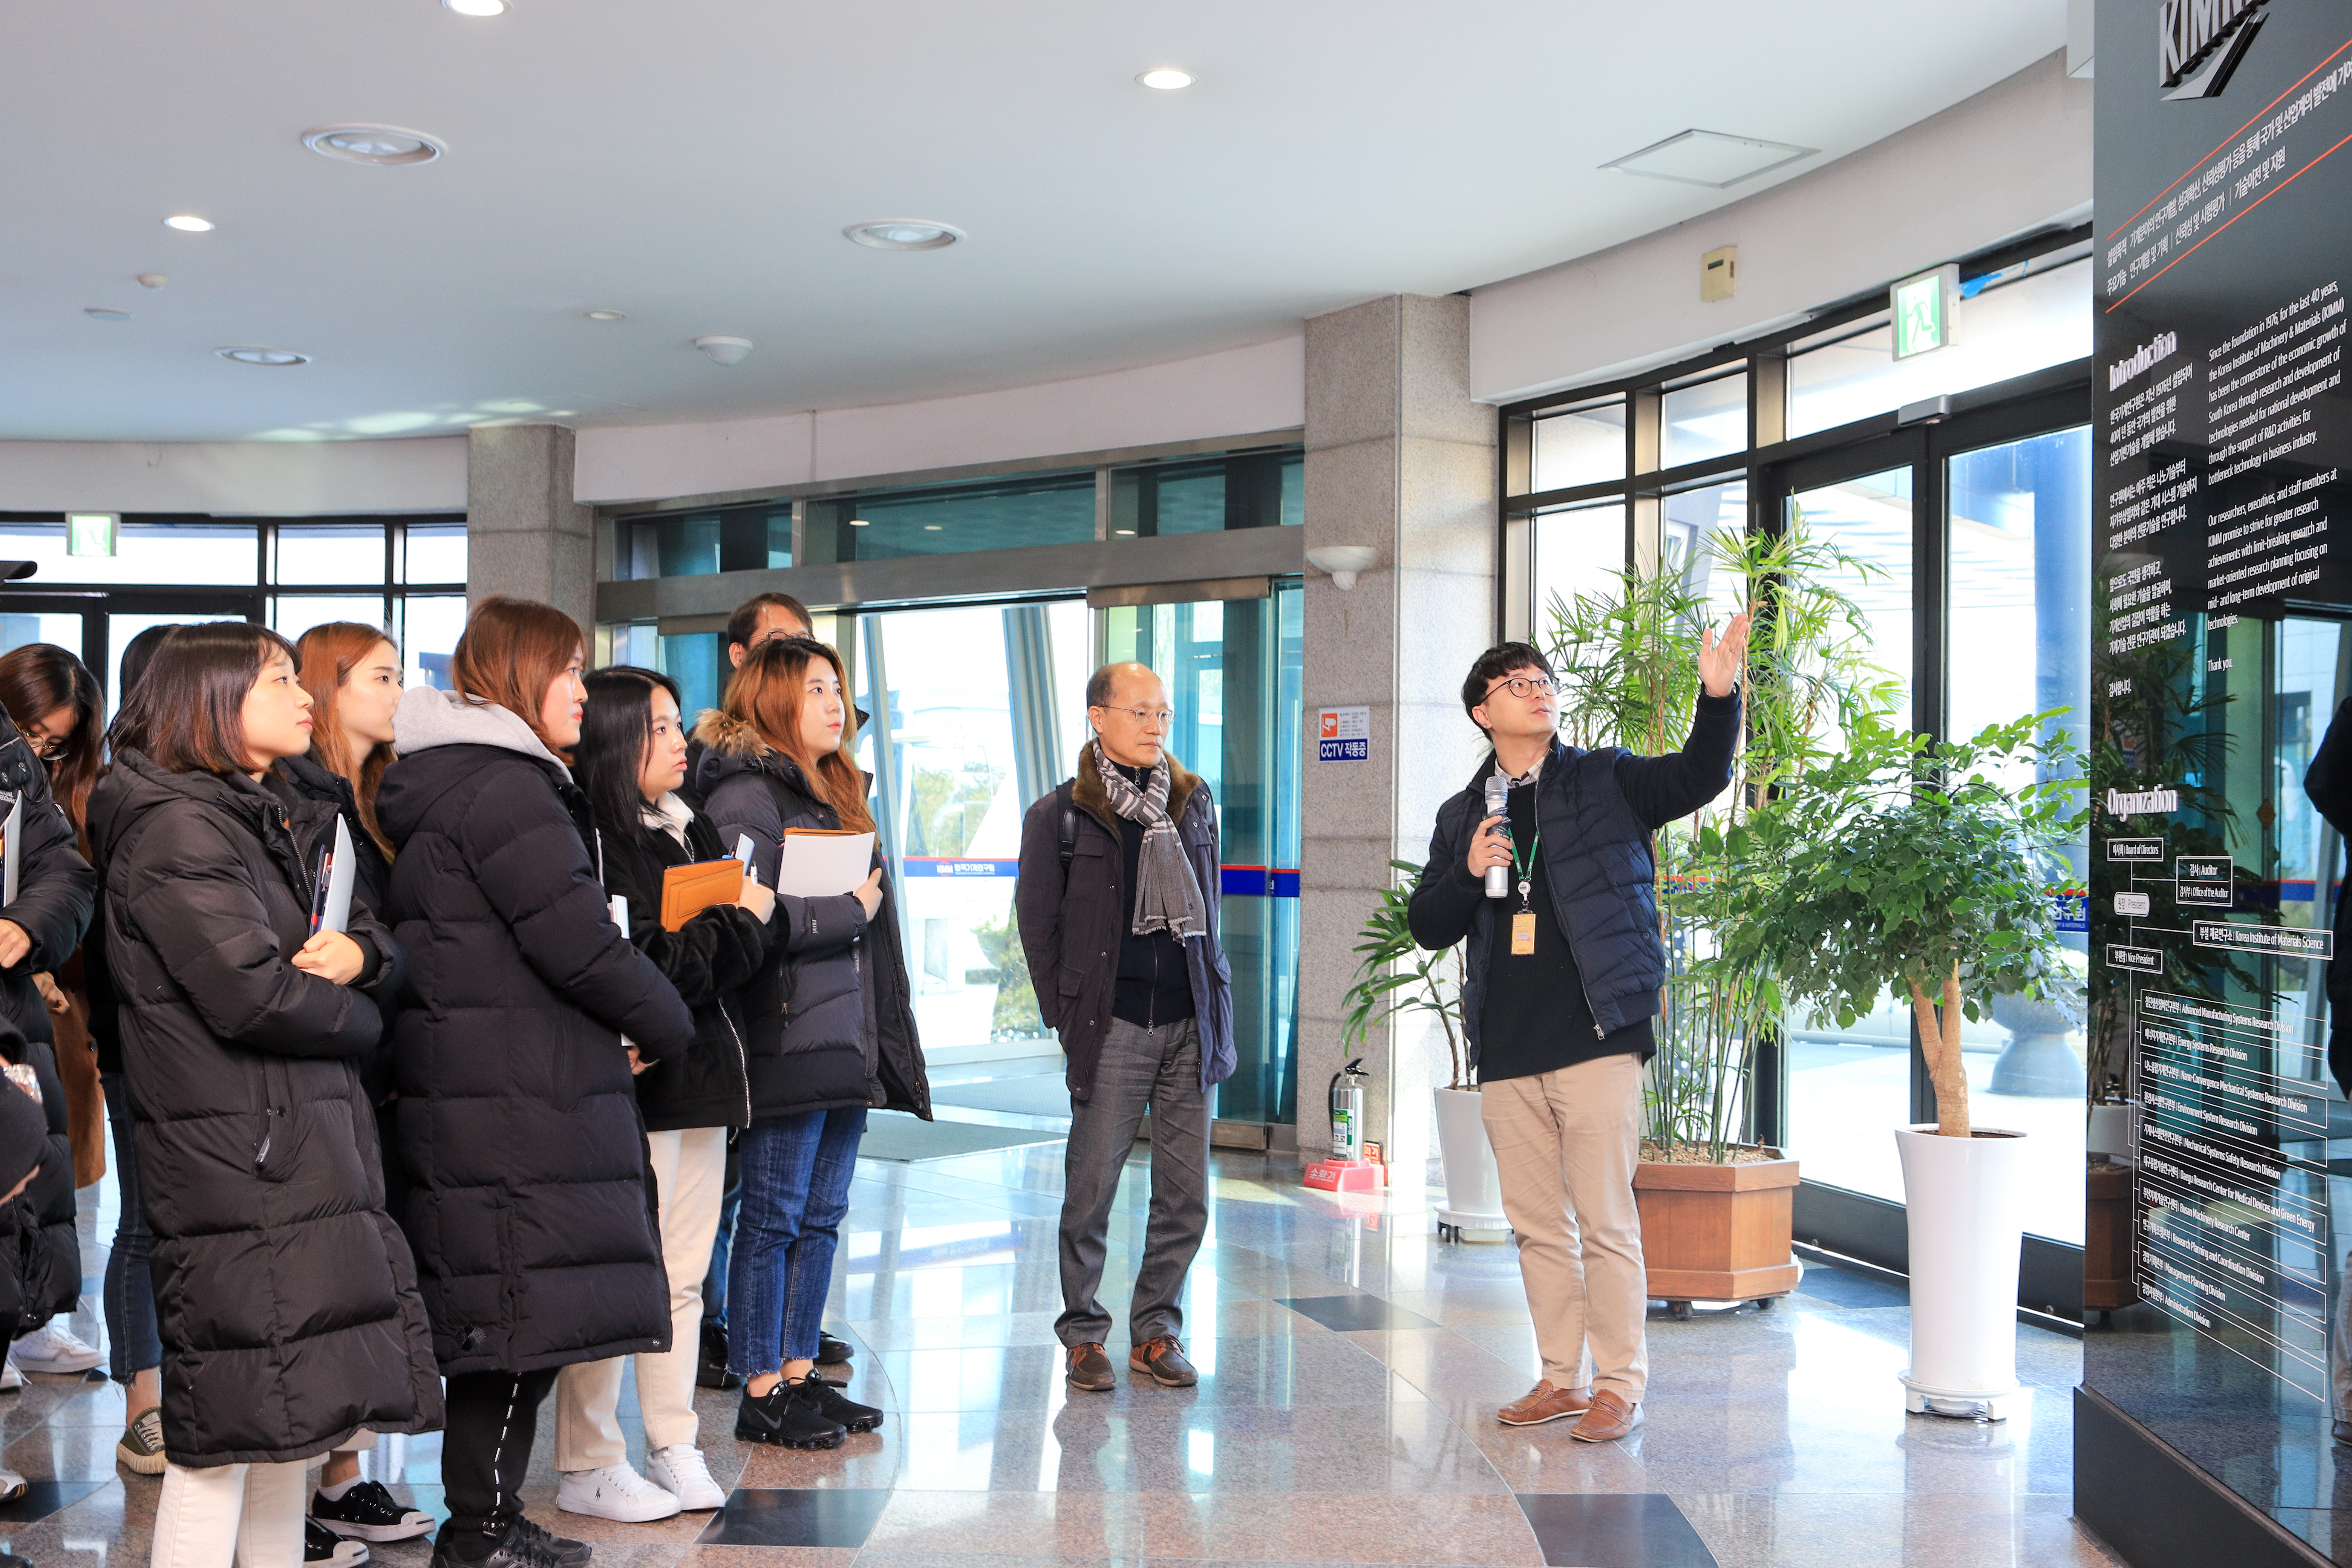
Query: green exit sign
column 92, row 532
column 1923, row 309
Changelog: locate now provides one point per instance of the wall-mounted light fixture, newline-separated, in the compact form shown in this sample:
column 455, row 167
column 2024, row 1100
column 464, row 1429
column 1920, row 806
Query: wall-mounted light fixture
column 1342, row 562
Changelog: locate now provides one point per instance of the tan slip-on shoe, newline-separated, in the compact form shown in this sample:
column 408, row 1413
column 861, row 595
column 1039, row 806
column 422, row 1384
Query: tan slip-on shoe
column 1544, row 1403
column 1608, row 1419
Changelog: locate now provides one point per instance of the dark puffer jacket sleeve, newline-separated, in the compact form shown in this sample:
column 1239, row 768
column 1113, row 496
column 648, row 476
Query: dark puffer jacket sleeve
column 40, row 1255
column 714, row 953
column 55, row 886
column 215, row 939
column 533, row 870
column 804, row 927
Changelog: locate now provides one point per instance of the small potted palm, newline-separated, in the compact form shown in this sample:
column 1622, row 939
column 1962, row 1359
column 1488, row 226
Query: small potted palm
column 1396, row 978
column 1928, row 868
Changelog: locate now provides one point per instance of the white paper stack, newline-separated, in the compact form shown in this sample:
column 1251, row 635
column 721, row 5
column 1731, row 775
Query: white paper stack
column 822, row 865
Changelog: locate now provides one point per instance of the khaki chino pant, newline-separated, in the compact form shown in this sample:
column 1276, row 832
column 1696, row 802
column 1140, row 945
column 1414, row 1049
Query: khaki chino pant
column 690, row 1175
column 1565, row 1143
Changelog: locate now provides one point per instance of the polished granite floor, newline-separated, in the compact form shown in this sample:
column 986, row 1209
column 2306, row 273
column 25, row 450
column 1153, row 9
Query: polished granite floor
column 1350, row 1368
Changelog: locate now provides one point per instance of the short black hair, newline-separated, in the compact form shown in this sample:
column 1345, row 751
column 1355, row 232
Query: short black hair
column 1497, row 661
column 745, row 621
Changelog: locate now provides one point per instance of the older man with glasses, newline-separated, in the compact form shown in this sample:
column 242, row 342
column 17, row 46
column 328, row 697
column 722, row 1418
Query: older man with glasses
column 1117, row 906
column 1561, row 978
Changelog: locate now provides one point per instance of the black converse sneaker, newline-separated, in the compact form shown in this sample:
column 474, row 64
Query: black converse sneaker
column 836, row 1405
column 788, row 1416
column 368, row 1510
column 323, row 1548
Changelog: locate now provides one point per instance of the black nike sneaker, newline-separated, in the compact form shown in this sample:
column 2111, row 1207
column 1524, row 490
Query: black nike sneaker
column 836, row 1405
column 787, row 1416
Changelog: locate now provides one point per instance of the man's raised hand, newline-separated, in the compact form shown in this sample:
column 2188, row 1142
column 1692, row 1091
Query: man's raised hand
column 1721, row 658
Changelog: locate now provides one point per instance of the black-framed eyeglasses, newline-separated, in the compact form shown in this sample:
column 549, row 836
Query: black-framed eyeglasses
column 1525, row 686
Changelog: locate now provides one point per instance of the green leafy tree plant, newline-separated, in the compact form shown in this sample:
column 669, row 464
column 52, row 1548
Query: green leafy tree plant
column 1627, row 658
column 1395, row 975
column 1912, row 865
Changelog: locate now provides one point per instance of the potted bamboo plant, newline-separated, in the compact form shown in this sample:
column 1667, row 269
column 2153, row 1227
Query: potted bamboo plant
column 1716, row 1207
column 1395, row 978
column 1928, row 868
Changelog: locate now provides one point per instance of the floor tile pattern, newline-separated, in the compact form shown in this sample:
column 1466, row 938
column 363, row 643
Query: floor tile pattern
column 1351, row 1366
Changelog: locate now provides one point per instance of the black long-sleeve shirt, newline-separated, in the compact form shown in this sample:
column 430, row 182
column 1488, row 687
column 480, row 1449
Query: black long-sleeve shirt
column 1536, row 1017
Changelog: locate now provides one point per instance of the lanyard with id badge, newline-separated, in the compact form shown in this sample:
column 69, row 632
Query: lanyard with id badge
column 1523, row 922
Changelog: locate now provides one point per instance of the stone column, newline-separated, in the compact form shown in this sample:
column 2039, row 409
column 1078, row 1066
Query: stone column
column 525, row 536
column 1398, row 458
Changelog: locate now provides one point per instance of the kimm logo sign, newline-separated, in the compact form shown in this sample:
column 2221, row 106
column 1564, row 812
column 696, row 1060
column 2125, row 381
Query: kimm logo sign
column 2200, row 42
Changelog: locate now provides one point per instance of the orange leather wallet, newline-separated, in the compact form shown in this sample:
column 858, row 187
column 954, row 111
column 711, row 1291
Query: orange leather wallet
column 687, row 891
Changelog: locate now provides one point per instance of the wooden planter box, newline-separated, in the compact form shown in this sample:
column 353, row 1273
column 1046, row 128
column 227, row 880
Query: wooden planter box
column 1717, row 1233
column 2107, row 1281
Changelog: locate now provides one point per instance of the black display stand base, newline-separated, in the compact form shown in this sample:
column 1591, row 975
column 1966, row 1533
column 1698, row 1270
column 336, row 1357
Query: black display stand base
column 2152, row 1508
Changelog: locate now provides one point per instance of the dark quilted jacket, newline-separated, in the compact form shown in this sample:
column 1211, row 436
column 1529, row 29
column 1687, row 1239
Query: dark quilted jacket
column 708, row 959
column 830, row 1022
column 40, row 1256
column 285, row 1295
column 532, row 1211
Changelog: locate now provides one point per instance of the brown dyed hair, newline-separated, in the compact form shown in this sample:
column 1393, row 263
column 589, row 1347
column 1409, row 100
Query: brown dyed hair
column 187, row 712
column 327, row 655
column 766, row 694
column 37, row 679
column 511, row 652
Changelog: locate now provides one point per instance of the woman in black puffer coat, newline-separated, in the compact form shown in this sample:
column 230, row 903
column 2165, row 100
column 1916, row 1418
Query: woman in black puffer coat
column 287, row 1298
column 531, row 1208
column 629, row 761
column 832, row 1033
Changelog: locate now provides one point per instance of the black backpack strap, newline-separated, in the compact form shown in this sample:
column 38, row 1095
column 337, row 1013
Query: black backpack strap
column 1069, row 829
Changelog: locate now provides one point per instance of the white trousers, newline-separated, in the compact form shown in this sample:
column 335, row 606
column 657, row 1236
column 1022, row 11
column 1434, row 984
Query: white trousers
column 250, row 1515
column 689, row 1178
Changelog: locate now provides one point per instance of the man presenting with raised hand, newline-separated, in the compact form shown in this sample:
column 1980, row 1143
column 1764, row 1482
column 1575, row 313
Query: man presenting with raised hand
column 1562, row 977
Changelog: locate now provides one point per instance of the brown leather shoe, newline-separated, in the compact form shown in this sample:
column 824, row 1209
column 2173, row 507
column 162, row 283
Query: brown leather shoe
column 1608, row 1419
column 1544, row 1403
column 1090, row 1369
column 1164, row 1358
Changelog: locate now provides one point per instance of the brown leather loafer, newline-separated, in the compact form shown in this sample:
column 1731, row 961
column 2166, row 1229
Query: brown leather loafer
column 1090, row 1369
column 1164, row 1358
column 1608, row 1419
column 1544, row 1403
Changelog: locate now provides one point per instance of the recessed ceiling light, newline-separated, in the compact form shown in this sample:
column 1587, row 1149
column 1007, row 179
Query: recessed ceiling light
column 932, row 527
column 476, row 7
column 608, row 315
column 188, row 223
column 250, row 355
column 1123, row 530
column 372, row 145
column 904, row 234
column 860, row 522
column 1167, row 78
column 106, row 313
column 152, row 281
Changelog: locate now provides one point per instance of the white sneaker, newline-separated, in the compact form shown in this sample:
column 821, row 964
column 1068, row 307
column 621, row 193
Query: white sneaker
column 54, row 1349
column 12, row 1486
column 615, row 1492
column 679, row 1469
column 11, row 1380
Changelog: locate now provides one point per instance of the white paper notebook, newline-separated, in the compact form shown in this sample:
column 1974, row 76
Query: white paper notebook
column 820, row 865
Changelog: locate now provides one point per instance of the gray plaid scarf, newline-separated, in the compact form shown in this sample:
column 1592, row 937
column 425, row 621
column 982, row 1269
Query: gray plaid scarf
column 1167, row 895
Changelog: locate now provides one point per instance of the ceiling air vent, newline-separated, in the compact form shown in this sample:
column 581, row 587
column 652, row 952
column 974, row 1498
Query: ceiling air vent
column 1708, row 158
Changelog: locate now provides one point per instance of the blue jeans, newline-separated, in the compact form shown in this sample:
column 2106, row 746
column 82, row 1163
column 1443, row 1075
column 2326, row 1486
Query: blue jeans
column 796, row 1172
column 130, row 1296
column 714, row 1283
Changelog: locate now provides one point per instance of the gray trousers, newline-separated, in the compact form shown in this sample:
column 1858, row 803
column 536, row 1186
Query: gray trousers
column 1159, row 1068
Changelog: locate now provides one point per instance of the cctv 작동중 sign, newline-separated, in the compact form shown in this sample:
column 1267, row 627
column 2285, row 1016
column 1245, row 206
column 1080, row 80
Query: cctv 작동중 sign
column 1343, row 734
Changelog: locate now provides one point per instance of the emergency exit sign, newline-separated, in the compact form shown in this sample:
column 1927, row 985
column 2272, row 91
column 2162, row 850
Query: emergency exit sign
column 92, row 532
column 1923, row 309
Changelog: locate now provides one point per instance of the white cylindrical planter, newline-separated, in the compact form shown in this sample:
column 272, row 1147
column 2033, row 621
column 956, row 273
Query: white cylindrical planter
column 1965, row 1201
column 1474, row 1192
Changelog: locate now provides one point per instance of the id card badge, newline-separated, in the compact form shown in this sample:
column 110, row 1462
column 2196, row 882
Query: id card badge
column 1523, row 933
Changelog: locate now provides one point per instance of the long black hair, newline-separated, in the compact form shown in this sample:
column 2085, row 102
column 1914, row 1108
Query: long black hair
column 616, row 726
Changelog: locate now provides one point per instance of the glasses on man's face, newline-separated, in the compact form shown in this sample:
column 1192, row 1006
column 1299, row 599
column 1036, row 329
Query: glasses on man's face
column 1526, row 686
column 1164, row 717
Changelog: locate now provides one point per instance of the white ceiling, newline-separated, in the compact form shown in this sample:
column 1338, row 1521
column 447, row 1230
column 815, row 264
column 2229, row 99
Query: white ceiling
column 694, row 161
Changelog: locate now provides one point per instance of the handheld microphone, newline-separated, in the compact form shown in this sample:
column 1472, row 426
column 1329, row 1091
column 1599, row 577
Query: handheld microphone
column 1498, row 804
